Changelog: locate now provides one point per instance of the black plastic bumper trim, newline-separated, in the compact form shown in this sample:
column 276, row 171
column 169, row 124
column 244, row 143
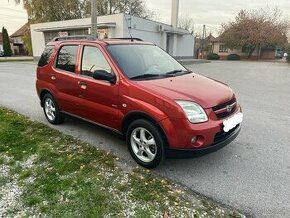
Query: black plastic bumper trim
column 191, row 153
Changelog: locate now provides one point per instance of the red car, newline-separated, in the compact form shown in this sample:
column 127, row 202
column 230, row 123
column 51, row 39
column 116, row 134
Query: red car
column 138, row 90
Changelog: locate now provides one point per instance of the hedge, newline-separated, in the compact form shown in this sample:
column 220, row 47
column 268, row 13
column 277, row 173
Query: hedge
column 213, row 56
column 233, row 57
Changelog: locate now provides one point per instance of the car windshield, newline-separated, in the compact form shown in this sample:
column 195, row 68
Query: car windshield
column 145, row 61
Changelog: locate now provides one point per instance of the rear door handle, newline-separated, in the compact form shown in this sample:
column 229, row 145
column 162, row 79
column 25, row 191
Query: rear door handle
column 82, row 84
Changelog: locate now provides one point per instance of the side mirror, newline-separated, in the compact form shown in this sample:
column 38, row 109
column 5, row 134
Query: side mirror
column 104, row 75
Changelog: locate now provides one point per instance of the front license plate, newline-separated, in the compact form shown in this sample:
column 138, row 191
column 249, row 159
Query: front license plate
column 232, row 122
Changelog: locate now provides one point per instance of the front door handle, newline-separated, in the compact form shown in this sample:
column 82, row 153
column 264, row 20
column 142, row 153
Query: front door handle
column 83, row 84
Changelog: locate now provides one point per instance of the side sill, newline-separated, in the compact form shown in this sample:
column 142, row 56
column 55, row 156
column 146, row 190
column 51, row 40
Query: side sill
column 92, row 122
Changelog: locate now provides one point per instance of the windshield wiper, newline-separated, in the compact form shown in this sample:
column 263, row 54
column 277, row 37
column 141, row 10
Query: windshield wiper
column 168, row 74
column 173, row 72
column 147, row 75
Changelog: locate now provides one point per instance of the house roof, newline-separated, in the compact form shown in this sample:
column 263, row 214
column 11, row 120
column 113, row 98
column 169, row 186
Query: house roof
column 211, row 38
column 21, row 31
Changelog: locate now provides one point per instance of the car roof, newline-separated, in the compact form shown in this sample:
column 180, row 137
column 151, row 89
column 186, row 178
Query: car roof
column 102, row 42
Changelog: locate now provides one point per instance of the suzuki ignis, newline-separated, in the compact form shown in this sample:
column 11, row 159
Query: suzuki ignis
column 138, row 90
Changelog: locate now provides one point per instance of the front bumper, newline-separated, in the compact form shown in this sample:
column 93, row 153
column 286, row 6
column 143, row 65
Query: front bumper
column 190, row 153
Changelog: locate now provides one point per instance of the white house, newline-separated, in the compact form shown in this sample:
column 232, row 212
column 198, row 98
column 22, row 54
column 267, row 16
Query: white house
column 18, row 43
column 176, row 41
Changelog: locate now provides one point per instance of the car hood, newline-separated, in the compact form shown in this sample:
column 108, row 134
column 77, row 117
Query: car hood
column 190, row 87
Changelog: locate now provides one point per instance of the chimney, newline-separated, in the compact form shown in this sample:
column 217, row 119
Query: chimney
column 174, row 13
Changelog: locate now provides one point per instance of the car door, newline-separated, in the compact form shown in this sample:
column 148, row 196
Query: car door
column 100, row 98
column 65, row 79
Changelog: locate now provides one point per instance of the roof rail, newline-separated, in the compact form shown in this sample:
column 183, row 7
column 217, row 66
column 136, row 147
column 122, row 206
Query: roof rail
column 132, row 39
column 77, row 37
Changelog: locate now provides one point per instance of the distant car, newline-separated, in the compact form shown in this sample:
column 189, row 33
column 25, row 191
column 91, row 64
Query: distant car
column 1, row 53
column 138, row 90
column 279, row 53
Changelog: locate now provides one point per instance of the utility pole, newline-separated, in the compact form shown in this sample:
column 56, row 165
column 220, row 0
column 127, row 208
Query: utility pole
column 203, row 45
column 203, row 36
column 174, row 23
column 94, row 22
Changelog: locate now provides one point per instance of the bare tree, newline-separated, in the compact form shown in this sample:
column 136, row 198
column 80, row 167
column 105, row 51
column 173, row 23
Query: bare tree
column 187, row 23
column 255, row 29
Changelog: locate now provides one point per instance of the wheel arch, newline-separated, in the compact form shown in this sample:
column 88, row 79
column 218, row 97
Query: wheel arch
column 129, row 118
column 42, row 94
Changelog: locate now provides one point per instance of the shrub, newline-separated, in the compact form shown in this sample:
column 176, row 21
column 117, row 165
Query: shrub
column 213, row 56
column 6, row 43
column 233, row 57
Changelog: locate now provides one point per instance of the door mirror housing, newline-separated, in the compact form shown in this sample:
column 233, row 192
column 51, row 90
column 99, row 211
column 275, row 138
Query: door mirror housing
column 104, row 75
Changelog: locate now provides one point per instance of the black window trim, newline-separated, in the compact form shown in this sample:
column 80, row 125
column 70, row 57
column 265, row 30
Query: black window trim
column 81, row 62
column 56, row 59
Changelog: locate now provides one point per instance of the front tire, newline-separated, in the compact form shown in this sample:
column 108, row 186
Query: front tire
column 51, row 110
column 145, row 143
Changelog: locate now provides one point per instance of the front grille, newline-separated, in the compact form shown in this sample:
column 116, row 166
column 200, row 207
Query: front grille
column 221, row 136
column 221, row 110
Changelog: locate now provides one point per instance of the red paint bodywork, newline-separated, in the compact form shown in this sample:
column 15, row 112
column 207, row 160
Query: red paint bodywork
column 109, row 104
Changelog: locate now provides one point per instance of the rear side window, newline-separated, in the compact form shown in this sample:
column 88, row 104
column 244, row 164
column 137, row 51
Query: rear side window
column 66, row 59
column 44, row 59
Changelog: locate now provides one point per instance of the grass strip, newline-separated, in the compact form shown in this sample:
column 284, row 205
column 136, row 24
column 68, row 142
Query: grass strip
column 46, row 173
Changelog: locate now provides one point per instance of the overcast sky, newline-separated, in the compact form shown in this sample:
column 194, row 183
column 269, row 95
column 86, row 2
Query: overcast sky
column 12, row 17
column 212, row 13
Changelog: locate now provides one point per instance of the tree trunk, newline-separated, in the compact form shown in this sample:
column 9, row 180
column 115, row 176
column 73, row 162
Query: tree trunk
column 251, row 52
column 258, row 51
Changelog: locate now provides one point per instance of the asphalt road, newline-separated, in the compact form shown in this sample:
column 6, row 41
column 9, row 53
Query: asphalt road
column 252, row 174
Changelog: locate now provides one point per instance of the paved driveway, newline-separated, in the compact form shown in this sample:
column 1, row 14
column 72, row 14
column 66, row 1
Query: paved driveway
column 251, row 174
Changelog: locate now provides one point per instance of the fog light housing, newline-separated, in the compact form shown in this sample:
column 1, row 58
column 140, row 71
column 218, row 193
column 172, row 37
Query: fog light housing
column 193, row 140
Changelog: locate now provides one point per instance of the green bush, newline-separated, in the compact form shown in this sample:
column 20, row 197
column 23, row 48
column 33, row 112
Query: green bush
column 213, row 56
column 233, row 57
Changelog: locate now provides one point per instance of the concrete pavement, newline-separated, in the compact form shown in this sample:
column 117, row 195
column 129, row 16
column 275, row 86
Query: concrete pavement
column 252, row 174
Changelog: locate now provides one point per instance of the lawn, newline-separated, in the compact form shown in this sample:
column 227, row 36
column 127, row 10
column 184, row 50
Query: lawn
column 46, row 173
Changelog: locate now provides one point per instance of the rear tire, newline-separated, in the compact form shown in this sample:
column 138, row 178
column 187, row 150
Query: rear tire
column 145, row 143
column 51, row 110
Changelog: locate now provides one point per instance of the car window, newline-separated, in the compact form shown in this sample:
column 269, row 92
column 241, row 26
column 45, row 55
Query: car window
column 44, row 59
column 93, row 60
column 66, row 59
column 136, row 60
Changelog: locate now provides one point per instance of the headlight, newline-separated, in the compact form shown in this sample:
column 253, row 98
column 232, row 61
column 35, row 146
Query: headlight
column 193, row 111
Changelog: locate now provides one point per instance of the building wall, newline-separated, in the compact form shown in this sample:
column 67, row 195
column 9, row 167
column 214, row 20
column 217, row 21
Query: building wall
column 149, row 31
column 38, row 40
column 49, row 35
column 265, row 54
column 185, row 46
column 140, row 28
column 143, row 29
column 40, row 36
